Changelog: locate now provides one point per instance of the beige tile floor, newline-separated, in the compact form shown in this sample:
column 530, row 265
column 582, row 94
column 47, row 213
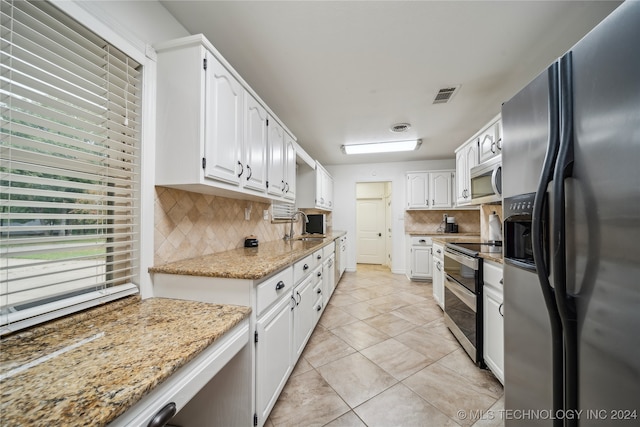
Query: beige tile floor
column 381, row 356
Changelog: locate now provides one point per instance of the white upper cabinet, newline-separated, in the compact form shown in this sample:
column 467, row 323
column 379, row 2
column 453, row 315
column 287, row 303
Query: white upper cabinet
column 441, row 189
column 289, row 172
column 491, row 141
column 212, row 133
column 224, row 123
column 255, row 145
column 316, row 188
column 276, row 159
column 466, row 158
column 417, row 190
column 430, row 190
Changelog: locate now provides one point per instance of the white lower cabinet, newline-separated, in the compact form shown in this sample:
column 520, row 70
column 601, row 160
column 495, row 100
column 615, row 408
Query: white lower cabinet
column 420, row 257
column 274, row 361
column 438, row 274
column 286, row 308
column 304, row 312
column 493, row 321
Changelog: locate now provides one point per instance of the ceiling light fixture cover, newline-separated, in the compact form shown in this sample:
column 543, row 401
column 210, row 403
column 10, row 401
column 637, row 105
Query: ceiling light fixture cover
column 382, row 147
column 400, row 127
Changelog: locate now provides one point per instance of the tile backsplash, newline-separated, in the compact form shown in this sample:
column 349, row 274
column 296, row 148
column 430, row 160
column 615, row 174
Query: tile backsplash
column 430, row 221
column 188, row 225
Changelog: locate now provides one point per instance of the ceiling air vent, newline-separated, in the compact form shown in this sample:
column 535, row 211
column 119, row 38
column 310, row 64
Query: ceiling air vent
column 445, row 94
column 400, row 127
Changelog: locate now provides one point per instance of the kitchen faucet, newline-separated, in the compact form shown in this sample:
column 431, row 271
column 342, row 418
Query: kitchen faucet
column 293, row 217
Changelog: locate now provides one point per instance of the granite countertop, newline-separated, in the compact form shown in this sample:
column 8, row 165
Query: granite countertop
column 248, row 263
column 89, row 368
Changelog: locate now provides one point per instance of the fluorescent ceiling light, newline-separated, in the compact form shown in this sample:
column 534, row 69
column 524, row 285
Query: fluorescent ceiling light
column 382, row 147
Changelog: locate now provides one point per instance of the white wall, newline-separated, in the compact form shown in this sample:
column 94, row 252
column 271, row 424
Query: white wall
column 344, row 197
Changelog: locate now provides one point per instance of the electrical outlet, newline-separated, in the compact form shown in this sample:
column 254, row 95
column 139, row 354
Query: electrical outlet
column 265, row 214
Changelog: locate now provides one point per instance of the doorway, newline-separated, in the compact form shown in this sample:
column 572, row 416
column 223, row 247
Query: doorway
column 373, row 223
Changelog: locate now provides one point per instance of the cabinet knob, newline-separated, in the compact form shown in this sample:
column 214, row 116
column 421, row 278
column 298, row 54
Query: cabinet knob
column 163, row 415
column 279, row 285
column 319, row 273
column 305, row 267
column 319, row 257
column 319, row 307
column 319, row 291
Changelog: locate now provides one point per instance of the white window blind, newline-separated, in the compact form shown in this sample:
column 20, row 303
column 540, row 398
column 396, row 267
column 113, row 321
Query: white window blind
column 69, row 174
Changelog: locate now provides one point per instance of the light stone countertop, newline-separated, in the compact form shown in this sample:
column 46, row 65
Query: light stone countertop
column 89, row 368
column 248, row 263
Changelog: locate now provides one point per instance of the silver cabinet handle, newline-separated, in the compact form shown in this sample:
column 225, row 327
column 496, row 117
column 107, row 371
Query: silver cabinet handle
column 499, row 144
column 279, row 285
column 250, row 172
column 241, row 168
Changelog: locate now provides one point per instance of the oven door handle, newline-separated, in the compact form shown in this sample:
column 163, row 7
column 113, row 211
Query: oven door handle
column 465, row 295
column 462, row 259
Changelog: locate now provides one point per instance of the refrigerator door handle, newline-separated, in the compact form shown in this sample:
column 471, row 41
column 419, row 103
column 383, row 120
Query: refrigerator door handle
column 538, row 240
column 563, row 170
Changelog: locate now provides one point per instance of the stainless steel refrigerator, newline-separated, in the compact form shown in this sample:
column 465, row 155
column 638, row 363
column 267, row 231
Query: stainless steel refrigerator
column 571, row 187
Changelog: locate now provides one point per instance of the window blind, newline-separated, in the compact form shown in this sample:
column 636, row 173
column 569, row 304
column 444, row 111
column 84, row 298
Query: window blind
column 69, row 165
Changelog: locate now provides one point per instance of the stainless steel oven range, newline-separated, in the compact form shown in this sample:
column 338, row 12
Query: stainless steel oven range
column 463, row 296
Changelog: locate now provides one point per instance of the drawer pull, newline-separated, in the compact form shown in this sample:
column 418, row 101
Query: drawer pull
column 280, row 285
column 319, row 257
column 501, row 310
column 319, row 273
column 319, row 307
column 163, row 415
column 305, row 267
column 319, row 291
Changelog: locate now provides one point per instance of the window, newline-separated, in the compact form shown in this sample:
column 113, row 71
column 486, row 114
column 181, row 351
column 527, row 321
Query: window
column 69, row 166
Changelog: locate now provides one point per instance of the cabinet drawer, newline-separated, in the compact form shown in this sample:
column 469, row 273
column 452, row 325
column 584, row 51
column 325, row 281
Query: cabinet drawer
column 438, row 252
column 303, row 267
column 328, row 250
column 492, row 275
column 318, row 256
column 272, row 289
column 421, row 241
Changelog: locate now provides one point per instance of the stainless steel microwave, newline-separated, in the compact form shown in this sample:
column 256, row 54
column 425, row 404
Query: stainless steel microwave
column 486, row 181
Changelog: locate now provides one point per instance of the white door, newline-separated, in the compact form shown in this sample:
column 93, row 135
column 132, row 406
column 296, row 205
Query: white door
column 370, row 233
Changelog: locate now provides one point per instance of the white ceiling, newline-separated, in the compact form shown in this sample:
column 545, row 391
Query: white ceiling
column 339, row 72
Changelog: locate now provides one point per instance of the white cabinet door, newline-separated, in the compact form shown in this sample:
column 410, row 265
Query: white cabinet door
column 418, row 190
column 276, row 159
column 421, row 262
column 441, row 189
column 493, row 331
column 303, row 313
column 489, row 146
column 273, row 355
column 255, row 145
column 289, row 167
column 466, row 158
column 224, row 123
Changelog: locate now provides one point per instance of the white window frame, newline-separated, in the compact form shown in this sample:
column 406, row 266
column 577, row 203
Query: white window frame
column 145, row 55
